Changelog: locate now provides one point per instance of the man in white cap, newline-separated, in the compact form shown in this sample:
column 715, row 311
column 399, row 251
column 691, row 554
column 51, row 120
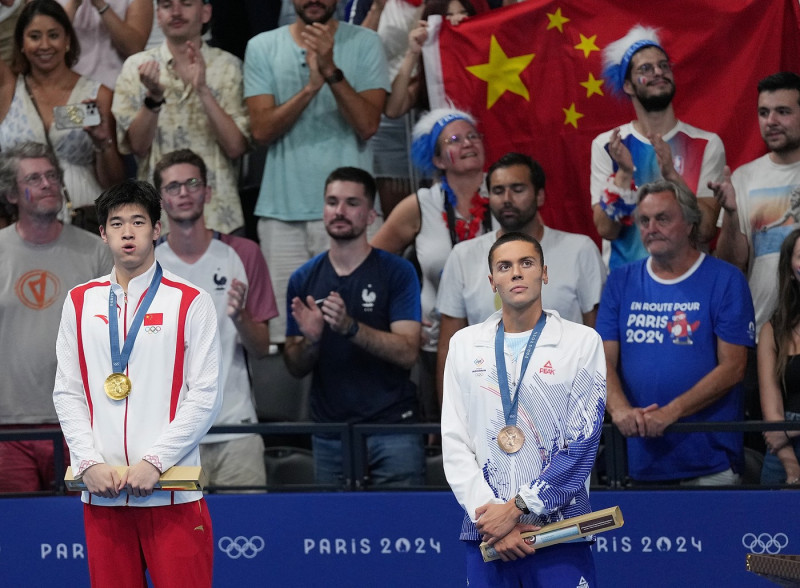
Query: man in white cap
column 656, row 145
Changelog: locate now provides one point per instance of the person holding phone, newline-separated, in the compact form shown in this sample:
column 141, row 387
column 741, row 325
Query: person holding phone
column 40, row 80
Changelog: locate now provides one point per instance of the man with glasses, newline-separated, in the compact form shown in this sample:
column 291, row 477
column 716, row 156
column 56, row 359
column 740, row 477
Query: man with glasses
column 41, row 260
column 233, row 270
column 654, row 146
column 185, row 94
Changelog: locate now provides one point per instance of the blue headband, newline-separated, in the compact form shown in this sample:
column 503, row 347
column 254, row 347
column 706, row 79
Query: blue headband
column 615, row 73
column 424, row 146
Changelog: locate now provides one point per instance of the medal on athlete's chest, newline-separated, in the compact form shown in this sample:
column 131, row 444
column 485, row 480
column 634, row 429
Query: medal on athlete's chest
column 118, row 385
column 511, row 438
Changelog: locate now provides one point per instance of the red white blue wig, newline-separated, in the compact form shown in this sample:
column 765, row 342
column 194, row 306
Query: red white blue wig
column 617, row 55
column 427, row 131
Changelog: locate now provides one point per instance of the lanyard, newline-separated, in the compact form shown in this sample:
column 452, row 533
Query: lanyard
column 120, row 360
column 510, row 406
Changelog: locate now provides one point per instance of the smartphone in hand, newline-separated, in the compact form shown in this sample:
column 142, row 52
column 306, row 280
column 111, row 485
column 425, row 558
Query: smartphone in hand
column 76, row 116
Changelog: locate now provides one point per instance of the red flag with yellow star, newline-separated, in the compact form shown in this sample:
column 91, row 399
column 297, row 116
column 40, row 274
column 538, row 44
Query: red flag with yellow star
column 531, row 73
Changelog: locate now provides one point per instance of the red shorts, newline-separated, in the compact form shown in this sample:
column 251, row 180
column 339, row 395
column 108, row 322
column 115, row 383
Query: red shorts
column 174, row 543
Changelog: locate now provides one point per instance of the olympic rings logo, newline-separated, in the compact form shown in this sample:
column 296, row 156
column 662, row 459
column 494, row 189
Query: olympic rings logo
column 241, row 546
column 765, row 543
column 152, row 329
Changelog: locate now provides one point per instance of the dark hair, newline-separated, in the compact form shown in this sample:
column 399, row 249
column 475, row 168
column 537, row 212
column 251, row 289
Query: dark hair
column 787, row 313
column 513, row 158
column 510, row 238
column 686, row 200
column 357, row 176
column 440, row 7
column 175, row 158
column 54, row 10
column 129, row 192
column 783, row 80
column 9, row 165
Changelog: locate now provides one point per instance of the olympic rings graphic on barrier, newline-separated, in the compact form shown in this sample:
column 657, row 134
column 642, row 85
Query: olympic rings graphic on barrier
column 241, row 546
column 765, row 543
column 152, row 329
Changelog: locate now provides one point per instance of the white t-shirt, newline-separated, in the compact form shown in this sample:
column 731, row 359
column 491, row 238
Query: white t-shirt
column 214, row 272
column 763, row 198
column 575, row 273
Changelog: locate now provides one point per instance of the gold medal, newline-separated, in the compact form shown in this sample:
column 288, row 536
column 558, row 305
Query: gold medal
column 510, row 439
column 117, row 386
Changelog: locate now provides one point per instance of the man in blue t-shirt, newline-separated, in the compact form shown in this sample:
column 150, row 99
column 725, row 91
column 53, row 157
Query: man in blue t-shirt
column 675, row 329
column 353, row 319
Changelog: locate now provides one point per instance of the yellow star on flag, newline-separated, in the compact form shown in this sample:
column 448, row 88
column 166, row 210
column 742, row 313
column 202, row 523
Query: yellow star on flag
column 587, row 45
column 502, row 73
column 571, row 115
column 556, row 21
column 592, row 86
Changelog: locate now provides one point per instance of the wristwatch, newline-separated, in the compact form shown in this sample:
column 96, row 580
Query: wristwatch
column 153, row 105
column 335, row 77
column 351, row 332
column 520, row 504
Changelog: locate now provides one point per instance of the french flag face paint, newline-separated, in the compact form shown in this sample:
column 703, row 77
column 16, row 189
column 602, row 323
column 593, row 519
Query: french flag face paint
column 27, row 195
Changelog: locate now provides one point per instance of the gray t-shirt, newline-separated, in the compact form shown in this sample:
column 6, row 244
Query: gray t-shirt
column 34, row 281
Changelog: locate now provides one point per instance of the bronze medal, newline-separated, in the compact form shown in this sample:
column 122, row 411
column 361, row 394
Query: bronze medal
column 117, row 386
column 510, row 438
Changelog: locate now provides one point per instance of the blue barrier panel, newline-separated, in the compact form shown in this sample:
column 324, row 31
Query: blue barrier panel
column 670, row 538
column 339, row 539
column 42, row 542
column 694, row 538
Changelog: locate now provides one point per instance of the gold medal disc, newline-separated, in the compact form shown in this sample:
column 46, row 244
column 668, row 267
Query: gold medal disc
column 510, row 439
column 117, row 386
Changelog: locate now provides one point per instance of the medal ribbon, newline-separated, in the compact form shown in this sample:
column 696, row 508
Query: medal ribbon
column 510, row 406
column 120, row 360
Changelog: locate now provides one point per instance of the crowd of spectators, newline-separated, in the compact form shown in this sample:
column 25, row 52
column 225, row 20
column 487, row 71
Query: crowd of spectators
column 328, row 86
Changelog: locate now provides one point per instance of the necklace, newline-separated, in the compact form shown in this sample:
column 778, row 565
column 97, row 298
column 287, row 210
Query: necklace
column 463, row 229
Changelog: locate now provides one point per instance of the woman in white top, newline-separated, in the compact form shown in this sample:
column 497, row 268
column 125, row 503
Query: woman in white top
column 45, row 48
column 455, row 208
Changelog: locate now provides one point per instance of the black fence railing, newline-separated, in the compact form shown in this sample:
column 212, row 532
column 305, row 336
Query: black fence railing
column 292, row 467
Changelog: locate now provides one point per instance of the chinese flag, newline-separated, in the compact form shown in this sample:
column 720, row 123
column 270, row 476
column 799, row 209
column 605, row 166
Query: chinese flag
column 531, row 73
column 153, row 318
